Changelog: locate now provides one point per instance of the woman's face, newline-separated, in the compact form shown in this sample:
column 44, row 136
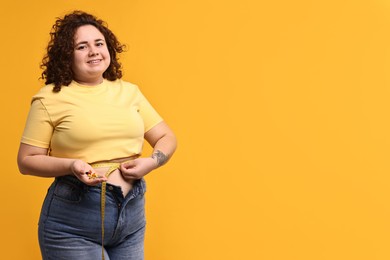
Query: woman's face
column 91, row 57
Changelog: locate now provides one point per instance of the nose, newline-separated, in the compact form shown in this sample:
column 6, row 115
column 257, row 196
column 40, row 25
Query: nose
column 93, row 52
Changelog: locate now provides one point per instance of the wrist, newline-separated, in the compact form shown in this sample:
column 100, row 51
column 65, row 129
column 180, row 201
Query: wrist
column 75, row 166
column 154, row 162
column 72, row 166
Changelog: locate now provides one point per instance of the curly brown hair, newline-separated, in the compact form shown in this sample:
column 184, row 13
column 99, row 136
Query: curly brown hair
column 57, row 63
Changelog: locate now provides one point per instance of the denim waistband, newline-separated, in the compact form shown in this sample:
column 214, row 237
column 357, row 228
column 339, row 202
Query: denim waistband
column 139, row 186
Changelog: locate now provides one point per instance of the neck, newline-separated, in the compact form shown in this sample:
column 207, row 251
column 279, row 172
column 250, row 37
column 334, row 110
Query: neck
column 89, row 82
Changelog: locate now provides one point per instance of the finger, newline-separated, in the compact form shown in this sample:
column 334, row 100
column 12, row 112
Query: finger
column 91, row 178
column 128, row 164
column 130, row 177
column 128, row 174
column 94, row 182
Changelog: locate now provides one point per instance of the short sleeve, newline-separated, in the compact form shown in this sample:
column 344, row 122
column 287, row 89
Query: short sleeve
column 39, row 128
column 149, row 115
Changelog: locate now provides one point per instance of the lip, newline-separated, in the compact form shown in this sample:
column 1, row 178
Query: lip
column 95, row 61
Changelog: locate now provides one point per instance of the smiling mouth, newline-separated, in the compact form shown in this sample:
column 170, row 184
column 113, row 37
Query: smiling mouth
column 94, row 61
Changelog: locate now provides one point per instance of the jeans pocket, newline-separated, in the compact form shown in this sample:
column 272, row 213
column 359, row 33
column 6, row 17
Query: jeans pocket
column 68, row 191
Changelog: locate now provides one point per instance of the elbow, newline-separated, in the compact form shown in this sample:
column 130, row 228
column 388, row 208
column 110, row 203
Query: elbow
column 174, row 143
column 26, row 160
column 22, row 167
column 22, row 170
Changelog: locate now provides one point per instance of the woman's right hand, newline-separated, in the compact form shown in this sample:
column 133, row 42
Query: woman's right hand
column 81, row 169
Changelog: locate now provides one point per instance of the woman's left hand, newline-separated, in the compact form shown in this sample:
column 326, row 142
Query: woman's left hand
column 137, row 168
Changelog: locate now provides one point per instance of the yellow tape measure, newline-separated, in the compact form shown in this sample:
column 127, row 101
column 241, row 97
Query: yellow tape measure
column 111, row 169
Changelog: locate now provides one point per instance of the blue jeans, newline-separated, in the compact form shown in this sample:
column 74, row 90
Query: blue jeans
column 70, row 222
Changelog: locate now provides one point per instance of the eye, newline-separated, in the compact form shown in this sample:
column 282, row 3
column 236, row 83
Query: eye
column 81, row 47
column 99, row 44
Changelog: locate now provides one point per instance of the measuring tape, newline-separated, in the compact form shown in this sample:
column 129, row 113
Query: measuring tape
column 112, row 167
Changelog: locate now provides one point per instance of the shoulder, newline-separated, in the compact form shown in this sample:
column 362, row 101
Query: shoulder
column 44, row 92
column 125, row 87
column 124, row 84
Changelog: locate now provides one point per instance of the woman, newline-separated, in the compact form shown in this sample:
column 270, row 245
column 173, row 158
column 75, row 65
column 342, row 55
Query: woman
column 86, row 128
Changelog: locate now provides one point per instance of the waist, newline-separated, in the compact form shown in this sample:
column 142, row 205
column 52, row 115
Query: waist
column 110, row 169
column 114, row 161
column 138, row 184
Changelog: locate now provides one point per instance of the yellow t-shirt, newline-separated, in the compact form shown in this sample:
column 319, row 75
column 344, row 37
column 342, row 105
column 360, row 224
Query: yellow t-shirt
column 91, row 123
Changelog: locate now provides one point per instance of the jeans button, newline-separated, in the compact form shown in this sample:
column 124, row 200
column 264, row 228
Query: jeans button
column 110, row 188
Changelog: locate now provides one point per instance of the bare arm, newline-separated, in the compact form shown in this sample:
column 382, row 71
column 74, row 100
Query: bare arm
column 163, row 141
column 33, row 160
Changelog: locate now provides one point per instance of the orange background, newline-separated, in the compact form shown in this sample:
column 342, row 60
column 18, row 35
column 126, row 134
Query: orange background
column 280, row 107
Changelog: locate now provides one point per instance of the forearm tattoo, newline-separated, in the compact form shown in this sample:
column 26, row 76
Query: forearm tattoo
column 160, row 157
